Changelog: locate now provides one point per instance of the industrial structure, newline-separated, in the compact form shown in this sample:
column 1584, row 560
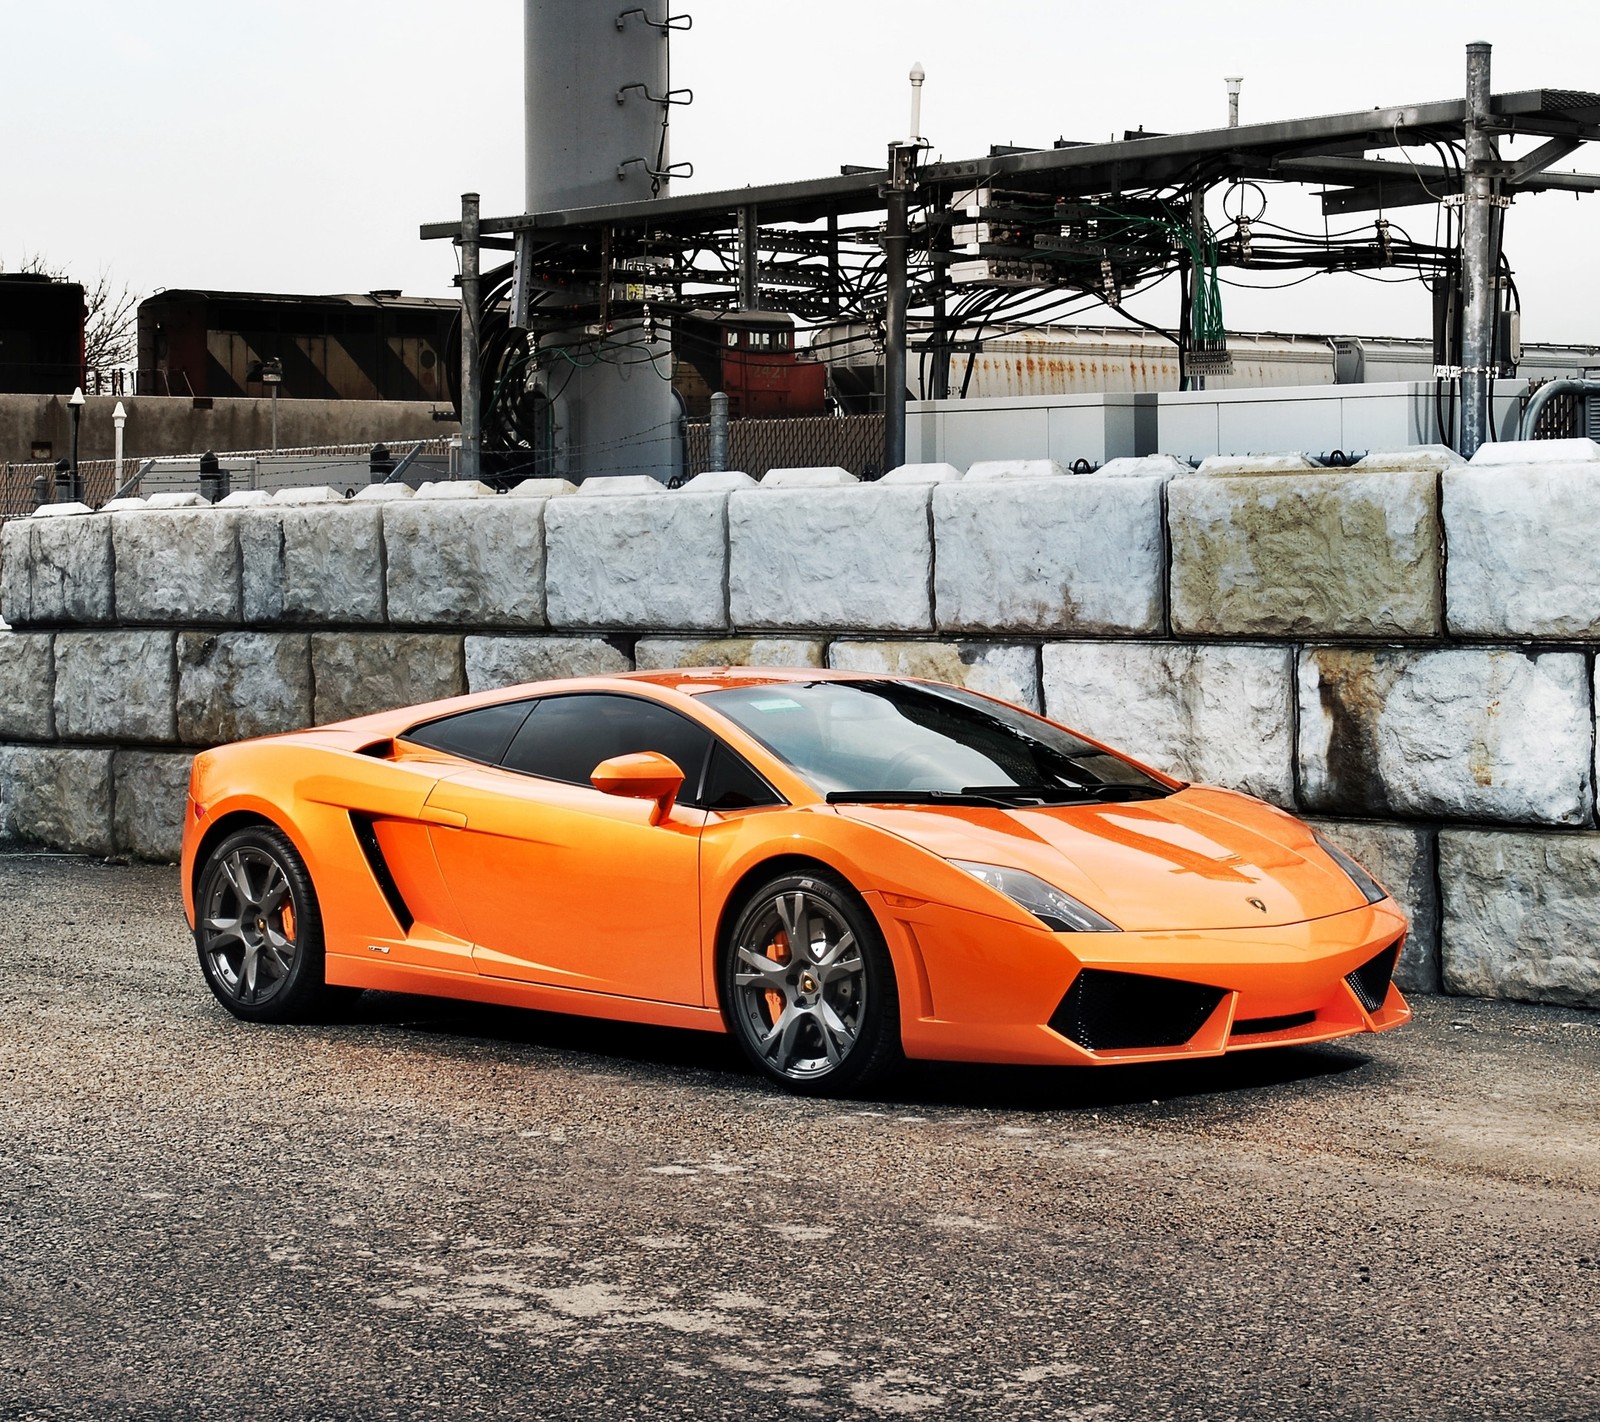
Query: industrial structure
column 937, row 261
column 41, row 334
column 380, row 346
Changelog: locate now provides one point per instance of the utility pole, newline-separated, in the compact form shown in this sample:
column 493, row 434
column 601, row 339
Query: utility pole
column 1479, row 280
column 471, row 343
column 902, row 165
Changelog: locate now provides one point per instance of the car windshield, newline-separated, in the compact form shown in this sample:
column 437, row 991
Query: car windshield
column 919, row 742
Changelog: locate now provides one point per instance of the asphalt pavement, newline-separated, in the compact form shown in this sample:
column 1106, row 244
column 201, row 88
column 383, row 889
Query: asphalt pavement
column 430, row 1209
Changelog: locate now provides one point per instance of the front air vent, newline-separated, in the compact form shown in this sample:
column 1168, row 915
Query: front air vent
column 367, row 838
column 1370, row 982
column 1260, row 1026
column 1107, row 1011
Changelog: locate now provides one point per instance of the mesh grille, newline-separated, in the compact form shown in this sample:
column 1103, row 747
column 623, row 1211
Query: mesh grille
column 1105, row 1011
column 1370, row 982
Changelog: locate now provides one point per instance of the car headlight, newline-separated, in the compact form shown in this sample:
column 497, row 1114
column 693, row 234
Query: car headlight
column 1059, row 912
column 1372, row 891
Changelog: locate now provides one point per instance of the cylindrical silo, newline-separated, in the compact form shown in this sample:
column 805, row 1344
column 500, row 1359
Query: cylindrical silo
column 586, row 117
column 596, row 80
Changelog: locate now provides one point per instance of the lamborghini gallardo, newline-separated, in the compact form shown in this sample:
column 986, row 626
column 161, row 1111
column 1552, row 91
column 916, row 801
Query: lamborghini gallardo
column 840, row 870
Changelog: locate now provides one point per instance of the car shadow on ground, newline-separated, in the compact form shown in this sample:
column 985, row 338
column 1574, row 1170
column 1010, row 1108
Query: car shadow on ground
column 920, row 1084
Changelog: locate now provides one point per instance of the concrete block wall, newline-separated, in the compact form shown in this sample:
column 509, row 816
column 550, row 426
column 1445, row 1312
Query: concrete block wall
column 1404, row 651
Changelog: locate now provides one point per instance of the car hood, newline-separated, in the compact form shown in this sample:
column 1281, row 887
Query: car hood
column 1197, row 859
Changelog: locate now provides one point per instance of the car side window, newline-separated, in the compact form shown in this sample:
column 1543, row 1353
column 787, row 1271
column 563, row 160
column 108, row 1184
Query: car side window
column 567, row 736
column 732, row 785
column 481, row 734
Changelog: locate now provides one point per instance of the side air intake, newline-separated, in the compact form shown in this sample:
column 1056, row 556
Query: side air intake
column 1105, row 1011
column 367, row 838
column 1370, row 982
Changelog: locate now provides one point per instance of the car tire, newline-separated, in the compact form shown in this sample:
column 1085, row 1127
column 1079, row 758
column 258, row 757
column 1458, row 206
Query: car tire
column 258, row 930
column 808, row 989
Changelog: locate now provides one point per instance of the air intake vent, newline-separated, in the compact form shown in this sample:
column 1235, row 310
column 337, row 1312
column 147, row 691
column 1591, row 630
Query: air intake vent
column 1105, row 1011
column 367, row 838
column 1260, row 1026
column 1370, row 982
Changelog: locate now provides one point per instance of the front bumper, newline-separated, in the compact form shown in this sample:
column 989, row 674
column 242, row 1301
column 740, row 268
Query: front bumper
column 976, row 988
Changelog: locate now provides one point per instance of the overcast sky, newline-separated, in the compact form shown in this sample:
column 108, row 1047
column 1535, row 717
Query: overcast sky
column 296, row 146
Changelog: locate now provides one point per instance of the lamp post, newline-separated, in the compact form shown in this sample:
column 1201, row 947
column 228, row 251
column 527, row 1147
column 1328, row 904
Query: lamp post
column 75, row 408
column 119, row 417
column 272, row 375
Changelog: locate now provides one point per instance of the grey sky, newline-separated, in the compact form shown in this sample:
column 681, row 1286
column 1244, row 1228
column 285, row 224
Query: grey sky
column 297, row 146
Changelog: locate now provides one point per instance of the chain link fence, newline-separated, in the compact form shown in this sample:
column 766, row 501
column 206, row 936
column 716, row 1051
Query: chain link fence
column 341, row 465
column 853, row 442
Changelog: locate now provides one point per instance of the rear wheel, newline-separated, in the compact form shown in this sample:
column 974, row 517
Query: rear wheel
column 808, row 988
column 258, row 929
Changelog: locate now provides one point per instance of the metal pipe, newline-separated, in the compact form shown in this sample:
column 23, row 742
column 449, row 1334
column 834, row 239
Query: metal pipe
column 749, row 255
column 719, row 433
column 898, row 202
column 1477, row 252
column 471, row 343
column 1548, row 392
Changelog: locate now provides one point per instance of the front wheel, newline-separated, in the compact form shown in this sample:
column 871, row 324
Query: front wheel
column 808, row 987
column 258, row 928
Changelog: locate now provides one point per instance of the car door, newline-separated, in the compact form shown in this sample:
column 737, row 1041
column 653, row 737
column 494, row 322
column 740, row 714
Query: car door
column 563, row 885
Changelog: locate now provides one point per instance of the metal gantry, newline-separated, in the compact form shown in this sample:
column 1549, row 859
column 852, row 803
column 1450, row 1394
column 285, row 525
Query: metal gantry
column 1020, row 234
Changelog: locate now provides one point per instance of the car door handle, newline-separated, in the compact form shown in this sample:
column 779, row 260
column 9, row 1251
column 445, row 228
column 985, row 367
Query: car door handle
column 435, row 816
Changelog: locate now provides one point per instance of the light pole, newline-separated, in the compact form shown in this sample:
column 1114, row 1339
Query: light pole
column 272, row 374
column 119, row 417
column 75, row 408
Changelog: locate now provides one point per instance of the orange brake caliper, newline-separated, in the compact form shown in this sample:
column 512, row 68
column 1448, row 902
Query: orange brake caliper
column 778, row 951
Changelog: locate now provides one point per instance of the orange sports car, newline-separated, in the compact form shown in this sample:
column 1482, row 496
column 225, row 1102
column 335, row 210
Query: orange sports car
column 838, row 869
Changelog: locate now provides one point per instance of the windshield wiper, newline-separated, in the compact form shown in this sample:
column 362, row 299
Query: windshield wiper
column 918, row 797
column 1065, row 794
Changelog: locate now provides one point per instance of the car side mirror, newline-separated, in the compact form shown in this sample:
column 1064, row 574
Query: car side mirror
column 645, row 775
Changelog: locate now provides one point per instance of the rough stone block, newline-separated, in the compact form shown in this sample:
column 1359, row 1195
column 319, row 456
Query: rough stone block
column 233, row 685
column 988, row 469
column 1330, row 555
column 357, row 673
column 27, row 683
column 1228, row 466
column 1522, row 544
column 1001, row 669
column 150, row 791
column 510, row 661
column 1400, row 857
column 854, row 558
column 1520, row 915
column 637, row 560
column 662, row 653
column 475, row 561
column 180, row 565
column 115, row 686
column 1538, row 451
column 1472, row 733
column 313, row 563
column 816, row 477
column 1064, row 555
column 1222, row 715
column 56, row 571
column 58, row 798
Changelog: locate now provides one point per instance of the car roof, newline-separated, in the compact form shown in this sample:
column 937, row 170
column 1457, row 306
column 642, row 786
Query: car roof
column 695, row 681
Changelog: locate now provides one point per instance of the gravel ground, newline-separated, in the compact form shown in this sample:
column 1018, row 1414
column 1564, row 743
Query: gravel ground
column 432, row 1209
